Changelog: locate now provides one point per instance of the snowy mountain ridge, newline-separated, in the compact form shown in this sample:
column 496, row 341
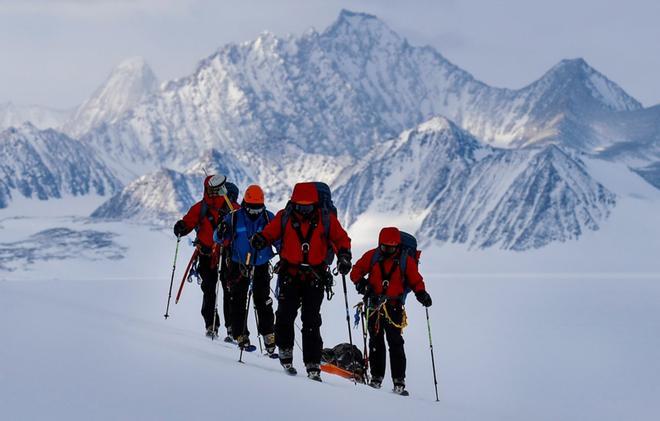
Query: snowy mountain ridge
column 476, row 194
column 44, row 164
column 322, row 105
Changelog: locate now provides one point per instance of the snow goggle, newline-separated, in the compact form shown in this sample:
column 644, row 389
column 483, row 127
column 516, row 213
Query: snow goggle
column 304, row 209
column 254, row 210
column 386, row 249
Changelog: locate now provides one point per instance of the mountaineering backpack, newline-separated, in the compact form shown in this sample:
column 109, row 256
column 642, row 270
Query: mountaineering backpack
column 326, row 206
column 232, row 191
column 408, row 248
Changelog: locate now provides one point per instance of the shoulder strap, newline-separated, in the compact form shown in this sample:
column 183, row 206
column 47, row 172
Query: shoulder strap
column 325, row 220
column 374, row 259
column 285, row 216
column 403, row 263
column 304, row 239
column 386, row 276
column 203, row 211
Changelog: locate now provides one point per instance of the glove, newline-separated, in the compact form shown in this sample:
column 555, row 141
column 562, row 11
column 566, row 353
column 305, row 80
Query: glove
column 258, row 241
column 362, row 286
column 424, row 298
column 344, row 262
column 180, row 228
column 221, row 230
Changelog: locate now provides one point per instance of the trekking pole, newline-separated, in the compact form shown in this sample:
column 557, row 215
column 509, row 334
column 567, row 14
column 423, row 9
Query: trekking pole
column 256, row 321
column 435, row 379
column 247, row 304
column 348, row 324
column 185, row 275
column 364, row 339
column 217, row 291
column 169, row 295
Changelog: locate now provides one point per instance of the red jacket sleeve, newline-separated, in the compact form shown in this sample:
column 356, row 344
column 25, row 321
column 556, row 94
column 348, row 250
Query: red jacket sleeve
column 362, row 267
column 191, row 219
column 273, row 231
column 413, row 276
column 338, row 236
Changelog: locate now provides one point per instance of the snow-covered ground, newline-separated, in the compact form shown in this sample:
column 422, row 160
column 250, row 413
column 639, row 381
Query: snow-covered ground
column 507, row 348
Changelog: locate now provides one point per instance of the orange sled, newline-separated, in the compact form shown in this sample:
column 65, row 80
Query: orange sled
column 338, row 371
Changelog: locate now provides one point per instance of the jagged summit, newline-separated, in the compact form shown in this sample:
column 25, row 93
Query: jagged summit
column 363, row 27
column 574, row 77
column 129, row 83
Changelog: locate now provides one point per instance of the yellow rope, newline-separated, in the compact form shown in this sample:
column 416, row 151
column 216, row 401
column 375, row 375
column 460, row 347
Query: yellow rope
column 383, row 306
column 404, row 318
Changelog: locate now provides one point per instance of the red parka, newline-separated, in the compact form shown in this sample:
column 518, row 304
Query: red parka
column 395, row 289
column 216, row 209
column 291, row 250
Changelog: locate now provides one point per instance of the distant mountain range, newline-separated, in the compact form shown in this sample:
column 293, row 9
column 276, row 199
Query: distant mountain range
column 12, row 115
column 393, row 127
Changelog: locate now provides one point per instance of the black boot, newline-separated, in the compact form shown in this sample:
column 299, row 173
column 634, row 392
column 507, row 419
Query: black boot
column 376, row 382
column 269, row 342
column 313, row 371
column 400, row 387
column 211, row 332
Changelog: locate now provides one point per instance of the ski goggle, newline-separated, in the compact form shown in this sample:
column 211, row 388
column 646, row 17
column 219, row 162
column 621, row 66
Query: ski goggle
column 254, row 210
column 304, row 209
column 387, row 250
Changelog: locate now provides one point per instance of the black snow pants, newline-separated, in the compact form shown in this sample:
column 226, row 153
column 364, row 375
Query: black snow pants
column 209, row 275
column 380, row 327
column 239, row 286
column 305, row 291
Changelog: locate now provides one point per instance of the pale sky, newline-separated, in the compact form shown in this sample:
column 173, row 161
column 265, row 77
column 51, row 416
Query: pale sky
column 56, row 52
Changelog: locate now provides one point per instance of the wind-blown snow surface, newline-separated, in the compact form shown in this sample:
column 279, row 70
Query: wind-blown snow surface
column 506, row 349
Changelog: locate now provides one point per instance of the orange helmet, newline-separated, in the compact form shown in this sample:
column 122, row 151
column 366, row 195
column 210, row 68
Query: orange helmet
column 305, row 194
column 254, row 195
column 389, row 236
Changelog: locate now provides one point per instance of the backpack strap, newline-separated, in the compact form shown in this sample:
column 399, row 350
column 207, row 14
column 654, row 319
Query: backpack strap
column 286, row 215
column 325, row 220
column 387, row 275
column 202, row 212
column 403, row 264
column 304, row 239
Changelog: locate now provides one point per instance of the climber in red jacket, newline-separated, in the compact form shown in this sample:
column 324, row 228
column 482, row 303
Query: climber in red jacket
column 307, row 236
column 204, row 217
column 384, row 279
